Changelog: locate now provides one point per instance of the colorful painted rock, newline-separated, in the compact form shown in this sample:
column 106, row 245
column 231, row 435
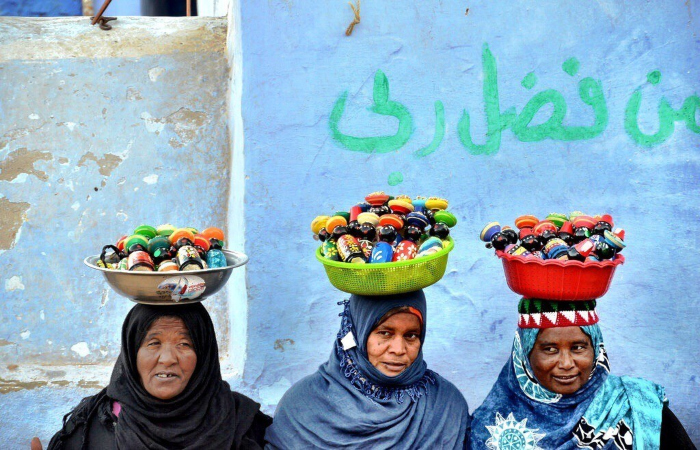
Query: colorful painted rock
column 368, row 217
column 354, row 212
column 405, row 251
column 400, row 206
column 146, row 230
column 583, row 222
column 201, row 241
column 436, row 203
column 526, row 221
column 367, row 247
column 349, row 249
column 188, row 258
column 330, row 251
column 419, row 204
column 417, row 219
column 543, row 226
column 555, row 248
column 445, row 217
column 489, row 230
column 167, row 266
column 377, row 198
column 344, row 214
column 381, row 253
column 335, row 221
column 216, row 258
column 430, row 243
column 140, row 261
column 136, row 242
column 614, row 240
column 557, row 219
column 213, row 233
column 121, row 243
column 182, row 233
column 391, row 219
column 318, row 223
column 165, row 230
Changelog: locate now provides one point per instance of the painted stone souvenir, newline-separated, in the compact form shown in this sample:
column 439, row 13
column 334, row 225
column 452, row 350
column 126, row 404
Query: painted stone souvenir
column 436, row 203
column 417, row 219
column 354, row 212
column 557, row 219
column 330, row 251
column 181, row 233
column 419, row 204
column 400, row 206
column 367, row 247
column 381, row 253
column 343, row 214
column 377, row 198
column 489, row 230
column 391, row 219
column 136, row 243
column 368, row 217
column 445, row 217
column 140, row 261
column 318, row 223
column 334, row 222
column 349, row 249
column 165, row 230
column 405, row 251
column 526, row 221
column 146, row 230
column 213, row 233
column 440, row 230
column 430, row 243
column 167, row 266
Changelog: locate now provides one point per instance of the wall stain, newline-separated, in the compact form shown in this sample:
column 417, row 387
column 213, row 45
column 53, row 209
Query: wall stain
column 280, row 343
column 185, row 122
column 22, row 161
column 12, row 216
column 4, row 342
column 106, row 164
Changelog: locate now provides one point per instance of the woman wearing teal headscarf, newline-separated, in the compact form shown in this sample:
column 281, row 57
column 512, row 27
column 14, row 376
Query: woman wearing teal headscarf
column 556, row 391
column 375, row 391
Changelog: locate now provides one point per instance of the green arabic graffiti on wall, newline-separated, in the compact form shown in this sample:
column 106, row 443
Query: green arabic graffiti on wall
column 590, row 91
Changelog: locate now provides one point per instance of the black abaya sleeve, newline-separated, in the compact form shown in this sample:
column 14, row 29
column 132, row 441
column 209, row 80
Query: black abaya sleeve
column 254, row 438
column 673, row 435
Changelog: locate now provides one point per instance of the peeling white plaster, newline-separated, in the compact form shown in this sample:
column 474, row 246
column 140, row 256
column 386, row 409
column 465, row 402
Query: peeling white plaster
column 14, row 283
column 136, row 189
column 121, row 181
column 69, row 185
column 151, row 179
column 25, row 334
column 33, row 116
column 81, row 348
column 103, row 353
column 122, row 216
column 155, row 72
column 21, row 178
column 42, row 316
column 153, row 125
column 75, row 206
column 69, row 125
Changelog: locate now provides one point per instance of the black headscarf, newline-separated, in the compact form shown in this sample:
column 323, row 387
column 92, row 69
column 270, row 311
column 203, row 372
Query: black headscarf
column 207, row 414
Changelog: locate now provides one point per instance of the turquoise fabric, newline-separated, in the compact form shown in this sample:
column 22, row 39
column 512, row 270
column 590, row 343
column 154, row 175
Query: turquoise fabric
column 608, row 412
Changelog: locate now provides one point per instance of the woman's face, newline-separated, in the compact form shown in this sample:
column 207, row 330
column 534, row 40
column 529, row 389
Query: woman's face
column 166, row 358
column 562, row 359
column 394, row 344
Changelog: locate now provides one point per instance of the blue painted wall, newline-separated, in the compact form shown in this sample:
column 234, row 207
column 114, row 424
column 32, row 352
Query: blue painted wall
column 41, row 8
column 298, row 63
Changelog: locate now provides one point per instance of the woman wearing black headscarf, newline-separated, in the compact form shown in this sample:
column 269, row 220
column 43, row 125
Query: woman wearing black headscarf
column 166, row 391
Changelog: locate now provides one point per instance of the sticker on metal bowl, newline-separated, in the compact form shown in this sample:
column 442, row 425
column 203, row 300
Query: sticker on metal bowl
column 183, row 287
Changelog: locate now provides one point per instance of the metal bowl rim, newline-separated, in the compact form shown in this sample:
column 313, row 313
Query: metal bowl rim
column 242, row 260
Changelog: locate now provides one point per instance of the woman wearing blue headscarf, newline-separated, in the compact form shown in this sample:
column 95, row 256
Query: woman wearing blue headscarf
column 556, row 391
column 375, row 391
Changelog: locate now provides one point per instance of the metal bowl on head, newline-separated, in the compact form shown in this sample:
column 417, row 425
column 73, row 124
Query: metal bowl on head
column 168, row 288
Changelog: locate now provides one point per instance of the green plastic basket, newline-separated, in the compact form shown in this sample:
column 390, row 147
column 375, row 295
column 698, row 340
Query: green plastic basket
column 387, row 278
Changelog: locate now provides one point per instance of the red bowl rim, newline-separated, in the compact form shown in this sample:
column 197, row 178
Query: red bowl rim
column 619, row 259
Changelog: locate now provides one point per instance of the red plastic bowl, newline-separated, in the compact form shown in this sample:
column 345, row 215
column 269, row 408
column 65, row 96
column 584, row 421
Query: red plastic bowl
column 554, row 279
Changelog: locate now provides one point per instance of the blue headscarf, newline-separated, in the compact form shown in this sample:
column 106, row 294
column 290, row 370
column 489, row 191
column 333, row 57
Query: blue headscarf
column 608, row 412
column 348, row 403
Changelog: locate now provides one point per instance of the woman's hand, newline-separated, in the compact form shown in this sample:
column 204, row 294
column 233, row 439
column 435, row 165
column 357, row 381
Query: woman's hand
column 36, row 444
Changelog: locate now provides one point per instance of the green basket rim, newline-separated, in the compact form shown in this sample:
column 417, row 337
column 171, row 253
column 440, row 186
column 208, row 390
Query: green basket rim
column 410, row 262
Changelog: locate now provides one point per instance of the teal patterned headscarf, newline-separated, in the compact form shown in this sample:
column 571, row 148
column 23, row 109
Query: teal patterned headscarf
column 608, row 412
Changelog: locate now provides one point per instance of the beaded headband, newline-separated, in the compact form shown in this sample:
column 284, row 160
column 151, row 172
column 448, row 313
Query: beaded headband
column 537, row 313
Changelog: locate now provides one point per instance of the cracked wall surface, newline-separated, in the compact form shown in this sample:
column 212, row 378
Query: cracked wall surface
column 99, row 132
